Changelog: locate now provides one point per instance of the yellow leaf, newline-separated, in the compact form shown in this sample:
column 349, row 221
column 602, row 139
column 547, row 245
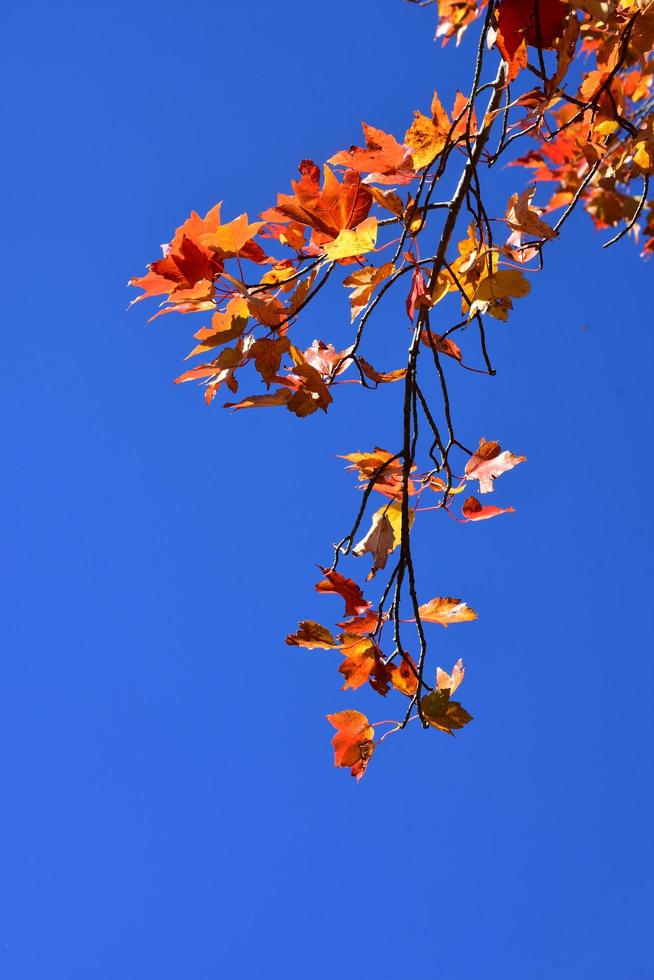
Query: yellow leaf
column 354, row 241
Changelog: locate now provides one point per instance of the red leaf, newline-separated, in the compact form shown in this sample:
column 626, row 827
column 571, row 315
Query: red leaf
column 473, row 510
column 349, row 591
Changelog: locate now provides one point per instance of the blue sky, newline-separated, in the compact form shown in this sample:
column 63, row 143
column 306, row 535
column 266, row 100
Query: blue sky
column 170, row 806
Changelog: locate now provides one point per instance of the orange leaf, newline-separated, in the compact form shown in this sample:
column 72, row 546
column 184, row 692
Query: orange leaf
column 442, row 344
column 426, row 137
column 380, row 466
column 312, row 636
column 329, row 210
column 521, row 216
column 380, row 377
column 445, row 610
column 353, row 743
column 363, row 663
column 363, row 283
column 404, row 676
column 386, row 160
column 280, row 397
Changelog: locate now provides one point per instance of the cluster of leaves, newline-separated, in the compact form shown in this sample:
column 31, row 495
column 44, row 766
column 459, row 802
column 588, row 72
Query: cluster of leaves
column 574, row 81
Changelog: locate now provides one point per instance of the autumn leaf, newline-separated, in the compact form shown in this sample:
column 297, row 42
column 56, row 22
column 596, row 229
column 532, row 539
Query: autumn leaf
column 349, row 591
column 417, row 292
column 445, row 610
column 327, row 361
column 494, row 292
column 367, row 622
column 473, row 510
column 382, row 467
column 450, row 681
column 336, row 206
column 441, row 344
column 380, row 377
column 427, row 137
column 234, row 238
column 388, row 200
column 312, row 636
column 363, row 283
column 267, row 356
column 280, row 397
column 522, row 217
column 379, row 541
column 351, row 242
column 443, row 714
column 353, row 743
column 404, row 676
column 488, row 463
column 384, row 159
column 363, row 663
column 225, row 327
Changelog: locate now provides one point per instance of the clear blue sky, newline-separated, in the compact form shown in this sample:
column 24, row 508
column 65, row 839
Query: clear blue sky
column 170, row 807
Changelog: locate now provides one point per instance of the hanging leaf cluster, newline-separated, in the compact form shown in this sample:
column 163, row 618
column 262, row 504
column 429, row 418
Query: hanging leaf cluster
column 563, row 91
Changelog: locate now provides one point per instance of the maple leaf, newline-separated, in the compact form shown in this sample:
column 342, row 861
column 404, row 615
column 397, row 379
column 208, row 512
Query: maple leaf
column 454, row 16
column 234, row 238
column 363, row 663
column 312, row 636
column 267, row 356
column 225, row 327
column 185, row 267
column 353, row 743
column 327, row 361
column 427, row 137
column 382, row 467
column 363, row 283
column 367, row 622
column 522, row 217
column 494, row 292
column 388, row 200
column 473, row 510
column 327, row 210
column 351, row 242
column 349, row 591
column 488, row 463
column 445, row 610
column 221, row 370
column 443, row 714
column 384, row 159
column 518, row 25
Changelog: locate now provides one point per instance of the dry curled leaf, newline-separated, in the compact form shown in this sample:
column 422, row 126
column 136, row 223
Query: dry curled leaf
column 473, row 510
column 349, row 591
column 488, row 463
